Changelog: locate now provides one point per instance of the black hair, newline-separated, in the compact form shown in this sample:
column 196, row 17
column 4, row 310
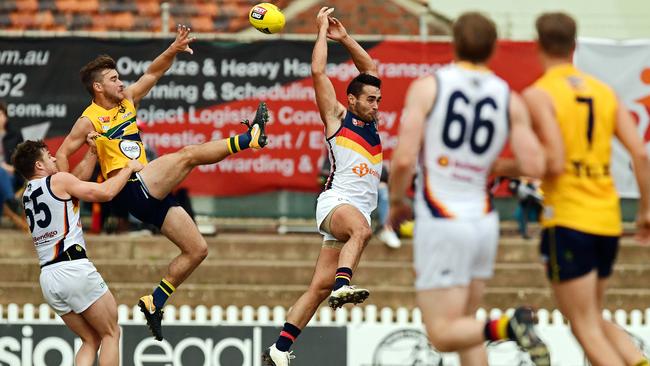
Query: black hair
column 356, row 85
column 26, row 155
column 91, row 72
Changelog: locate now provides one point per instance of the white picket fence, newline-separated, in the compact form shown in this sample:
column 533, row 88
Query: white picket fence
column 264, row 315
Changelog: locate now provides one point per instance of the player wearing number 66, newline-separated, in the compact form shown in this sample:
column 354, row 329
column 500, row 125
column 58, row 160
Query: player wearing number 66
column 458, row 121
column 69, row 281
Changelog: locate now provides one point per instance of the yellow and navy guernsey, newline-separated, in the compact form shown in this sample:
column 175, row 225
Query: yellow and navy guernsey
column 120, row 140
column 583, row 197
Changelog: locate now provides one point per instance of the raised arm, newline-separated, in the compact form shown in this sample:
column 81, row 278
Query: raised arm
column 627, row 134
column 73, row 142
column 136, row 91
column 65, row 185
column 331, row 111
column 362, row 60
column 418, row 103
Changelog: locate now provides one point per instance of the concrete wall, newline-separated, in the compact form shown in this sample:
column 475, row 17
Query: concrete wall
column 303, row 205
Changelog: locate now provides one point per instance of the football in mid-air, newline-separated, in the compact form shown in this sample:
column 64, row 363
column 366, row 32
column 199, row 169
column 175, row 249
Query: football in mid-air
column 266, row 18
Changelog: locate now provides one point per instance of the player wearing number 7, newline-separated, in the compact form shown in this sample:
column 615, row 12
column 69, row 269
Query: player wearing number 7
column 70, row 283
column 457, row 121
column 576, row 117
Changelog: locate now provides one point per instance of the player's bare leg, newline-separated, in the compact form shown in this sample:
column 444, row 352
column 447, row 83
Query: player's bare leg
column 476, row 355
column 97, row 326
column 451, row 330
column 577, row 300
column 90, row 340
column 349, row 226
column 443, row 313
column 304, row 308
column 164, row 174
column 616, row 335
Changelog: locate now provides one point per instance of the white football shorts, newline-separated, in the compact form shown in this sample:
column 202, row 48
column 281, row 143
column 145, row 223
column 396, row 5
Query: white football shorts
column 327, row 201
column 72, row 285
column 453, row 252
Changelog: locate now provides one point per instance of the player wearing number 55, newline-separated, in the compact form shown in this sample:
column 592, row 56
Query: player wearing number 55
column 69, row 281
column 457, row 121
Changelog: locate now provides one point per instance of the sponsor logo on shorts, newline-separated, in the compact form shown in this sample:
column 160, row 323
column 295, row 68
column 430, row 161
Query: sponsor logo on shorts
column 258, row 13
column 130, row 149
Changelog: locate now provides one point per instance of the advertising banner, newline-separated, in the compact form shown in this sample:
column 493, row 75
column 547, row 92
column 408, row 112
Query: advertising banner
column 402, row 345
column 184, row 345
column 204, row 97
column 626, row 67
column 34, row 344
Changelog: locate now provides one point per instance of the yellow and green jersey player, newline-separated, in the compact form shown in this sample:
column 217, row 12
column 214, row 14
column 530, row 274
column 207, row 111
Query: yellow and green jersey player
column 111, row 120
column 576, row 116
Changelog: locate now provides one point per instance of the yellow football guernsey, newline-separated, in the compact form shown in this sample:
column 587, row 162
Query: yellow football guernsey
column 120, row 140
column 584, row 197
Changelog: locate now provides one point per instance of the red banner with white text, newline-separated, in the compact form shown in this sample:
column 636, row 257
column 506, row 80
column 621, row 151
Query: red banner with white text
column 296, row 141
column 205, row 96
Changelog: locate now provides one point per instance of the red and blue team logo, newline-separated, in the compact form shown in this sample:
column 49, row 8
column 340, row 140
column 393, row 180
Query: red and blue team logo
column 358, row 123
column 258, row 13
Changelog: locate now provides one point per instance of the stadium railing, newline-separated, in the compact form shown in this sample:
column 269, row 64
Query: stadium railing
column 264, row 315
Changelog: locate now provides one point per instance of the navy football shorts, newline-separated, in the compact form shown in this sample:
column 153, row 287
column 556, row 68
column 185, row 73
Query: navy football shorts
column 135, row 198
column 569, row 253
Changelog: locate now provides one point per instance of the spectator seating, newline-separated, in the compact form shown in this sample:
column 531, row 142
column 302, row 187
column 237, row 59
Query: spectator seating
column 125, row 15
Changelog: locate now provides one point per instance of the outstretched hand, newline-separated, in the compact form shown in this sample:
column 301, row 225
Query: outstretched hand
column 183, row 40
column 322, row 19
column 336, row 31
column 90, row 140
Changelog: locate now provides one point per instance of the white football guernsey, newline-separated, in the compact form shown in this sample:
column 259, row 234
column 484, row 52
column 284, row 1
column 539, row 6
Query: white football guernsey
column 54, row 222
column 464, row 134
column 355, row 155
